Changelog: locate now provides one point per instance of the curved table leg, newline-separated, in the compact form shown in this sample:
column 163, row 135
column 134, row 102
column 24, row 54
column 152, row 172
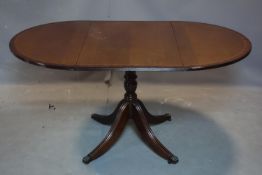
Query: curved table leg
column 148, row 135
column 154, row 119
column 112, row 136
column 107, row 119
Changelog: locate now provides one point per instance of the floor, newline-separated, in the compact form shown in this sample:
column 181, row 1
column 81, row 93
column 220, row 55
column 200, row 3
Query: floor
column 215, row 127
column 45, row 124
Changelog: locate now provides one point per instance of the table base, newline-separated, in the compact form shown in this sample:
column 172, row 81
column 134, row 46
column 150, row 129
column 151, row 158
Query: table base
column 131, row 108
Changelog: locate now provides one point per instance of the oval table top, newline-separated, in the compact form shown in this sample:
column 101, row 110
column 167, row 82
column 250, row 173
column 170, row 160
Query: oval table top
column 130, row 45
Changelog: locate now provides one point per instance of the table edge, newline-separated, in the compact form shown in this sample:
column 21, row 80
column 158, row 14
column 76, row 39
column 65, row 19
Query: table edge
column 130, row 68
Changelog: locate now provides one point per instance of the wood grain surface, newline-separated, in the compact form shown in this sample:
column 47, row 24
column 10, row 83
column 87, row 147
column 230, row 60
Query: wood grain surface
column 130, row 45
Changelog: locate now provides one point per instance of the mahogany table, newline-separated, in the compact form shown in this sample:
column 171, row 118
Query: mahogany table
column 130, row 46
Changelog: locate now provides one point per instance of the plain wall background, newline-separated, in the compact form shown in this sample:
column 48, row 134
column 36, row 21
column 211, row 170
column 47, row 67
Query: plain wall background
column 241, row 15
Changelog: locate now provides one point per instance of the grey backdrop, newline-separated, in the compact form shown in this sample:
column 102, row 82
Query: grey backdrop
column 243, row 16
column 217, row 123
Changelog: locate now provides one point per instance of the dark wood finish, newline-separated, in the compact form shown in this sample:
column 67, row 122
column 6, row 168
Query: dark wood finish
column 119, row 44
column 55, row 44
column 208, row 45
column 107, row 119
column 131, row 107
column 137, row 45
column 133, row 45
column 149, row 137
column 112, row 136
column 152, row 119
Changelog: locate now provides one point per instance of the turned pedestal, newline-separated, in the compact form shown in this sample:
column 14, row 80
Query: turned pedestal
column 131, row 108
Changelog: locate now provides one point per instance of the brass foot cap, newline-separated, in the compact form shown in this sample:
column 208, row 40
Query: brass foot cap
column 87, row 159
column 173, row 160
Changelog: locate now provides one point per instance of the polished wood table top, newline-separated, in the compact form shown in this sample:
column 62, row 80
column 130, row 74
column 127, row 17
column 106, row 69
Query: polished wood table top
column 130, row 45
